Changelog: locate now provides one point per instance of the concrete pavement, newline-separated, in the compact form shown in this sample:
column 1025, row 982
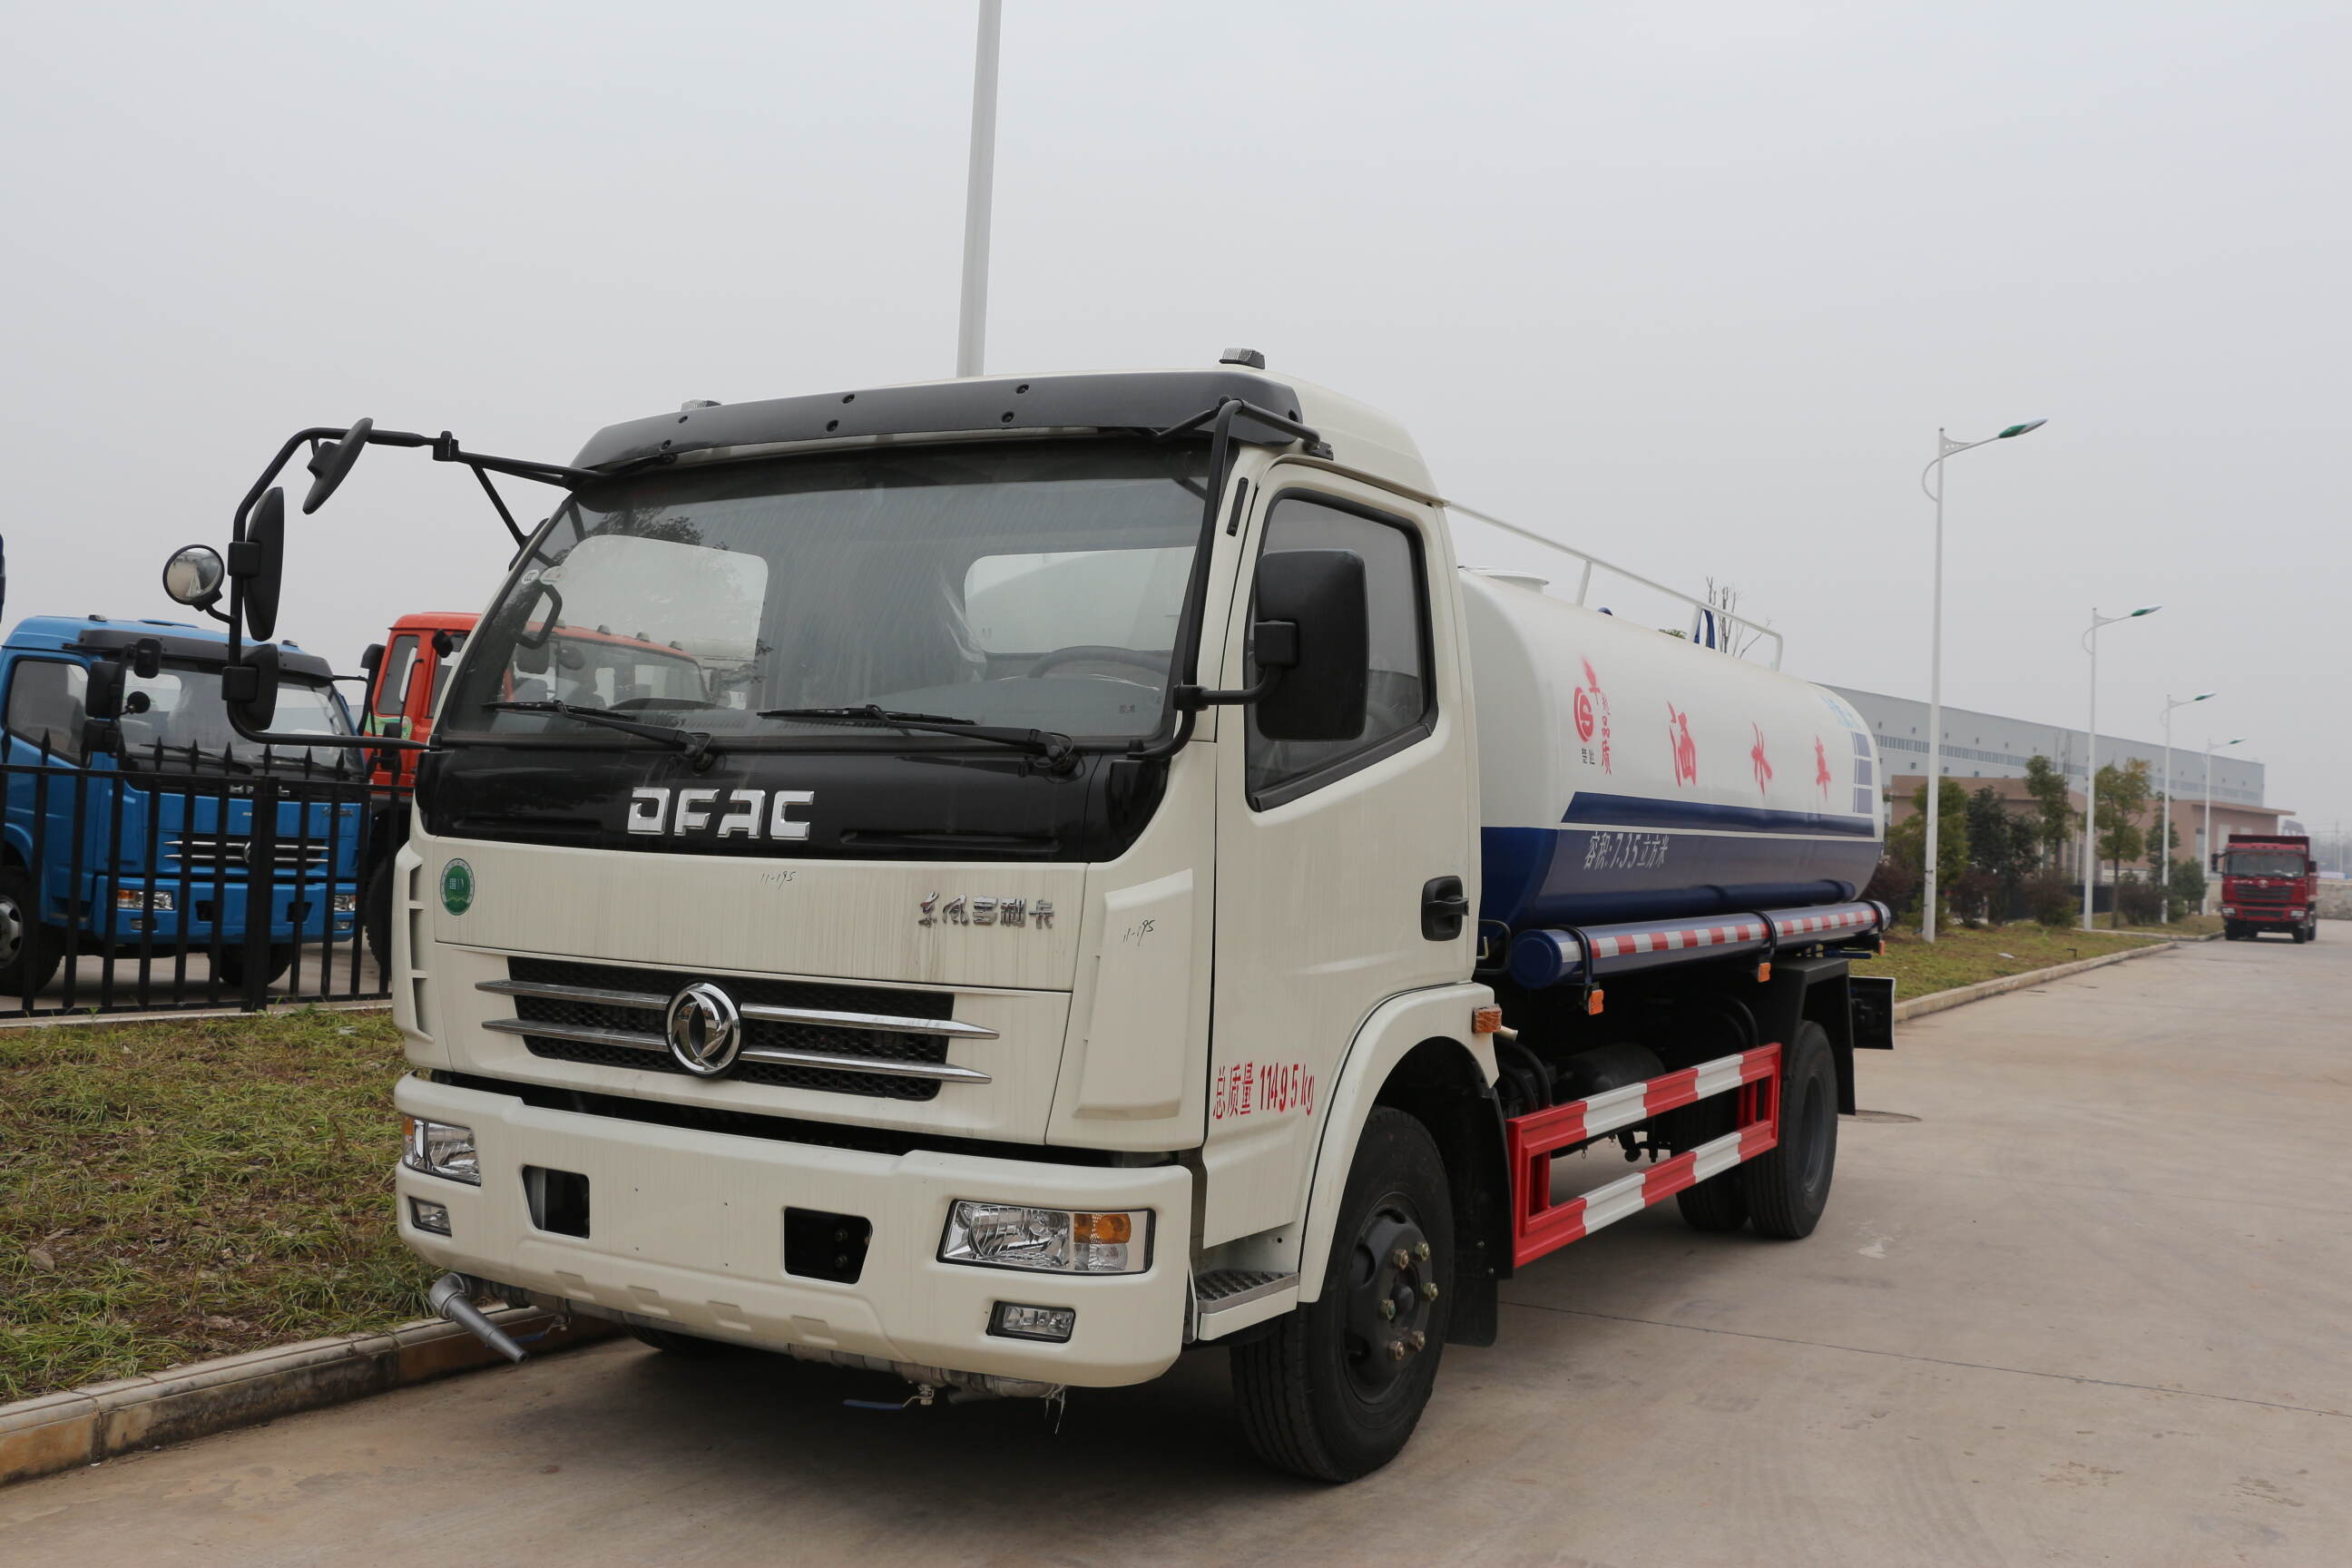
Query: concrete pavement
column 2089, row 1307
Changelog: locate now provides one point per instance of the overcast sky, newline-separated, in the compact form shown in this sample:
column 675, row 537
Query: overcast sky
column 1692, row 285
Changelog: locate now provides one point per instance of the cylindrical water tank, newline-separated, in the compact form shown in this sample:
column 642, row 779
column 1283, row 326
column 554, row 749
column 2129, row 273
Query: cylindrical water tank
column 1626, row 774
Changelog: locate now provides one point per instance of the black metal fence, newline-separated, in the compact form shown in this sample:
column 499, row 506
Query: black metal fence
column 185, row 878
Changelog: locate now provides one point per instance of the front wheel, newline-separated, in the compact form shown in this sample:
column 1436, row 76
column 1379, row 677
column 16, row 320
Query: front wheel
column 1788, row 1185
column 1335, row 1391
column 278, row 960
column 28, row 952
column 375, row 916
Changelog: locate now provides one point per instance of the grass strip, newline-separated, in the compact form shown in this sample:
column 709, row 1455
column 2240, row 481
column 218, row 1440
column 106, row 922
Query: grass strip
column 1966, row 956
column 176, row 1190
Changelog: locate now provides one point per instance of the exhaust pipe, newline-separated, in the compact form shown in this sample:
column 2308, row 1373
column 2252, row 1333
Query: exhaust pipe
column 452, row 1297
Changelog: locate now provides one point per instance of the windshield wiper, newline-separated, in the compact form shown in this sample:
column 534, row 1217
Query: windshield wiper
column 1058, row 750
column 693, row 742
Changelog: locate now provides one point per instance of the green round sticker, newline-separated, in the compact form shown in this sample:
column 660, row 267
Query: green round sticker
column 457, row 886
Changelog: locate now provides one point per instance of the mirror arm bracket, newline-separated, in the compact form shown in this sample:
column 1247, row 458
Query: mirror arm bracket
column 498, row 501
column 1193, row 699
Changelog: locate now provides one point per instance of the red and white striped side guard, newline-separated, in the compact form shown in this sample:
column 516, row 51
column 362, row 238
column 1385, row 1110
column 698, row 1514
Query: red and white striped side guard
column 1539, row 1226
column 1674, row 938
column 1847, row 919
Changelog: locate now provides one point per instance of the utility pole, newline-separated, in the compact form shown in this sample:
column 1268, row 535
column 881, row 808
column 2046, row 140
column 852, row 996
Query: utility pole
column 979, row 194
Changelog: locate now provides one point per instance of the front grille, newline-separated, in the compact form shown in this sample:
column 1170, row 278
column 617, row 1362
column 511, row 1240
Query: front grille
column 233, row 853
column 2264, row 895
column 929, row 1049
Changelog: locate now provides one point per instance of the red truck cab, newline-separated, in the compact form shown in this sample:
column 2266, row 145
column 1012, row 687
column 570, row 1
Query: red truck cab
column 405, row 675
column 2269, row 883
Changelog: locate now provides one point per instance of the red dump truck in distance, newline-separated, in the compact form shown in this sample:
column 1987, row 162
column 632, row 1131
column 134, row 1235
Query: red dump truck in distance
column 2269, row 883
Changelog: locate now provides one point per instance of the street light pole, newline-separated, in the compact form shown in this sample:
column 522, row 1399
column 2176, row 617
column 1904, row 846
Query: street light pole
column 979, row 194
column 2163, row 820
column 2205, row 835
column 2091, row 757
column 1944, row 448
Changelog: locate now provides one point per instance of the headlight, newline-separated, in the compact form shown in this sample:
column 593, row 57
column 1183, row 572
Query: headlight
column 345, row 903
column 1054, row 1241
column 136, row 898
column 2228, row 908
column 437, row 1149
column 2295, row 913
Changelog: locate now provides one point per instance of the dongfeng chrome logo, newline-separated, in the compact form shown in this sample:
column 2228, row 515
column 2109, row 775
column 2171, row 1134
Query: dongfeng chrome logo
column 705, row 1030
column 457, row 886
column 718, row 813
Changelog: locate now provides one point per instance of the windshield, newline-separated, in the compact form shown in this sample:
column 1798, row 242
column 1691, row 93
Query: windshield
column 2264, row 863
column 180, row 706
column 1035, row 584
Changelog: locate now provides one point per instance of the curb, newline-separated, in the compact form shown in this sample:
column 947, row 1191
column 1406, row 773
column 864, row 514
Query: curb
column 169, row 1015
column 1961, row 995
column 84, row 1425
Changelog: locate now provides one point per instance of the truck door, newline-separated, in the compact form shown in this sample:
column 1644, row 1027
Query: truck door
column 1325, row 850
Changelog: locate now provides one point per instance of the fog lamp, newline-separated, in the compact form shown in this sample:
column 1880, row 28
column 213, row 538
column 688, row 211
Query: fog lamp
column 1056, row 1241
column 1012, row 1321
column 438, row 1149
column 344, row 903
column 431, row 1216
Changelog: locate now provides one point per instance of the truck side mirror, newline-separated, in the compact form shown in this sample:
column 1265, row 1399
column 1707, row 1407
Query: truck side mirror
column 103, row 699
column 260, row 564
column 1313, row 612
column 444, row 644
column 192, row 576
column 371, row 661
column 251, row 686
column 146, row 662
column 329, row 464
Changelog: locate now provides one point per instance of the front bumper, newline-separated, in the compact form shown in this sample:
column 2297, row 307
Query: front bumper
column 200, row 906
column 686, row 1228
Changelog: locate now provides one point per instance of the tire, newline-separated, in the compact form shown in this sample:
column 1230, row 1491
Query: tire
column 1788, row 1186
column 375, row 916
column 1335, row 1390
column 1717, row 1204
column 280, row 958
column 1720, row 1202
column 29, row 952
column 685, row 1347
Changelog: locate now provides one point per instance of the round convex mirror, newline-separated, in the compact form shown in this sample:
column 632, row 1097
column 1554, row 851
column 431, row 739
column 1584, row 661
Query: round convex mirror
column 192, row 576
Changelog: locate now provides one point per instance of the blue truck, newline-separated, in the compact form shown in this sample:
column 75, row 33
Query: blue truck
column 133, row 805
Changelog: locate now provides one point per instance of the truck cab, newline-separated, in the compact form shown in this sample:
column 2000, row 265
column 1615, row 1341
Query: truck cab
column 2269, row 883
column 131, row 821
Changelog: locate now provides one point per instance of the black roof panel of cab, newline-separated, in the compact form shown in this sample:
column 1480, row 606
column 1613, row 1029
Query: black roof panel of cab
column 1135, row 400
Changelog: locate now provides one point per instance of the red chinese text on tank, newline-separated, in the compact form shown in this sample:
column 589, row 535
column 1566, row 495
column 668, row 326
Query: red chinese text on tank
column 1763, row 765
column 1593, row 713
column 1821, row 780
column 1685, row 750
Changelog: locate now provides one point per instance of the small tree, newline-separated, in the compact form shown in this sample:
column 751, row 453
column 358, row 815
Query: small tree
column 2055, row 815
column 2187, row 886
column 1906, row 841
column 2121, row 796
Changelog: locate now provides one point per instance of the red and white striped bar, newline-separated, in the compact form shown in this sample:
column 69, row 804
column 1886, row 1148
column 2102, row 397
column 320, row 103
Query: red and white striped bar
column 1539, row 1225
column 1542, row 958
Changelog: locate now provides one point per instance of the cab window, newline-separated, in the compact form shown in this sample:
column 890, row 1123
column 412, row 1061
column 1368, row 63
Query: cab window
column 1399, row 707
column 46, row 703
column 391, row 677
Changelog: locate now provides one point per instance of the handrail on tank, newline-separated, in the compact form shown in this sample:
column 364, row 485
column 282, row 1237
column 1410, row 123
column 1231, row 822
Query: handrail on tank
column 1700, row 608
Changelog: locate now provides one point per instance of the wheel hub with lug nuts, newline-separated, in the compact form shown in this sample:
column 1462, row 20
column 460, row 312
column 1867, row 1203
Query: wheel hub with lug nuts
column 1391, row 1295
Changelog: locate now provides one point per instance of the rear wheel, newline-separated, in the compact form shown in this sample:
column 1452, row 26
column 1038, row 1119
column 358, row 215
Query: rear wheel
column 1335, row 1389
column 1788, row 1186
column 1720, row 1202
column 28, row 953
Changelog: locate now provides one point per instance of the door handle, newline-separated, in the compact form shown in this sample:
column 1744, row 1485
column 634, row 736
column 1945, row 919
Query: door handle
column 1443, row 907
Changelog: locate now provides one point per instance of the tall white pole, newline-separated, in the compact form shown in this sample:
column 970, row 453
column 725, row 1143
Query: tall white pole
column 980, row 192
column 1935, row 799
column 2164, row 831
column 2205, row 834
column 2091, row 781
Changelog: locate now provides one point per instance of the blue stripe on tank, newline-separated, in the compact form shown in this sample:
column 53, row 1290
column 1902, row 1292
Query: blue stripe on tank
column 1642, row 811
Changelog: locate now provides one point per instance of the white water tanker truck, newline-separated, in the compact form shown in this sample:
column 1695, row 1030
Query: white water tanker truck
column 1116, row 887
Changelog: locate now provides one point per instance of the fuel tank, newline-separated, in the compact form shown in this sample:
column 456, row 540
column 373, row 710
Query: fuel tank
column 1626, row 774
